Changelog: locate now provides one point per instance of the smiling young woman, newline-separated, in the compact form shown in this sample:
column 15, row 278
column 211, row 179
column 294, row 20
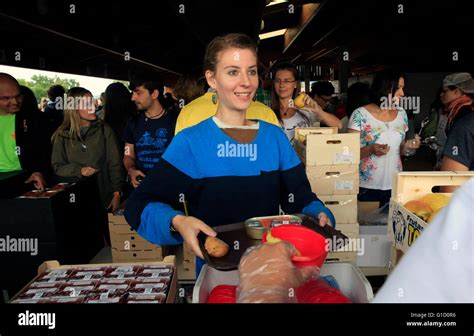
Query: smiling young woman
column 217, row 186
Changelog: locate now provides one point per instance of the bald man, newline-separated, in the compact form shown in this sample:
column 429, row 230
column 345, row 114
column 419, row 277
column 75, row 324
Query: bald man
column 20, row 135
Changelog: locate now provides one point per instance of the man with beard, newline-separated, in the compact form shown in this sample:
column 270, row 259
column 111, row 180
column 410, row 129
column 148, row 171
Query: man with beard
column 148, row 135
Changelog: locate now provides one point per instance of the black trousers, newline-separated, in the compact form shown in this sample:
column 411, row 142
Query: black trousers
column 374, row 195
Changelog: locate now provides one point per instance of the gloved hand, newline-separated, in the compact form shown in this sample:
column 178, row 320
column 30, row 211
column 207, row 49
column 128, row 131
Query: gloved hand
column 267, row 274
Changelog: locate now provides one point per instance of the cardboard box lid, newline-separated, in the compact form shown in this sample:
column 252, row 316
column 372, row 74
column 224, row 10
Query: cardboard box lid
column 301, row 133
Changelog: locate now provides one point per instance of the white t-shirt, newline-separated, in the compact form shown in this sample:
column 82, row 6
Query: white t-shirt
column 376, row 172
column 301, row 119
column 439, row 266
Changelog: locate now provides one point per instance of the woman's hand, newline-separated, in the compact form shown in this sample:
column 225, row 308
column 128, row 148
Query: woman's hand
column 189, row 228
column 115, row 202
column 323, row 219
column 38, row 180
column 312, row 105
column 327, row 118
column 413, row 143
column 380, row 149
column 88, row 171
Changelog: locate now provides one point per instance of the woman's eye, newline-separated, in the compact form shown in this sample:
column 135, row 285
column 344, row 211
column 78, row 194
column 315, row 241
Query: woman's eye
column 253, row 72
column 232, row 72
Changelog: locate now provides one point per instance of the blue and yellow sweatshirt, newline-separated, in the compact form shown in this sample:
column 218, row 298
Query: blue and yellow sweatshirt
column 223, row 182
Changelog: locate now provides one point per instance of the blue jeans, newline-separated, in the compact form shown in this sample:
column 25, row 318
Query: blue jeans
column 374, row 195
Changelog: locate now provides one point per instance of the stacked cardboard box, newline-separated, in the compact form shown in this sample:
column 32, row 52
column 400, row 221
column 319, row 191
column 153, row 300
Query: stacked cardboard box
column 128, row 246
column 189, row 261
column 332, row 167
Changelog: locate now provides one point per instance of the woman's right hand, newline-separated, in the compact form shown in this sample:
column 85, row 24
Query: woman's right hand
column 311, row 105
column 87, row 171
column 380, row 149
column 189, row 228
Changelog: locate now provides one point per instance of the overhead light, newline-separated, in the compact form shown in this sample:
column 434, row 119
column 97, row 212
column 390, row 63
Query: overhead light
column 272, row 34
column 276, row 2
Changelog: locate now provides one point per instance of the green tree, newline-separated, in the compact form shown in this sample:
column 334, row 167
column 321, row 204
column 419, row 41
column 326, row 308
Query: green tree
column 40, row 84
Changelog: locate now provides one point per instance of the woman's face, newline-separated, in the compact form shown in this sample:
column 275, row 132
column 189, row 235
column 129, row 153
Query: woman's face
column 86, row 107
column 284, row 84
column 235, row 78
column 447, row 95
column 399, row 91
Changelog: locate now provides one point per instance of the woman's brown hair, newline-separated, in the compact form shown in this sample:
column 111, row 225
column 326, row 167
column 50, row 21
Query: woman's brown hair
column 221, row 43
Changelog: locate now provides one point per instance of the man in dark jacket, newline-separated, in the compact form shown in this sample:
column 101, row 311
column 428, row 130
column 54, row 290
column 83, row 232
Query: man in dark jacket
column 21, row 139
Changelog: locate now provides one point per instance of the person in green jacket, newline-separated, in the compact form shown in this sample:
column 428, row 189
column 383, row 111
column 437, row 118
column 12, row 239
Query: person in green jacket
column 84, row 146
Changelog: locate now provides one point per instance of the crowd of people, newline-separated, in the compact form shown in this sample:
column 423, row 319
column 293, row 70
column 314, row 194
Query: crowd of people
column 161, row 154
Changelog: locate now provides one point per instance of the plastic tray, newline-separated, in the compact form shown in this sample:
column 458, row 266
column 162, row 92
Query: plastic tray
column 350, row 279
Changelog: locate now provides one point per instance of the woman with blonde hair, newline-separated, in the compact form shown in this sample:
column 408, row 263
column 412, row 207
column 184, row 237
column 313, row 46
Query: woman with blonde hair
column 84, row 146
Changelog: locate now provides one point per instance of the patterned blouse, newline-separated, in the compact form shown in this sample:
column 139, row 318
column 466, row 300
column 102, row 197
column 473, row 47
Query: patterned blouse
column 376, row 172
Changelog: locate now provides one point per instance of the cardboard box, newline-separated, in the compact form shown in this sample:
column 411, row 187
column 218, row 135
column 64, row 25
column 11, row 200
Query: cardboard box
column 131, row 242
column 128, row 246
column 395, row 257
column 334, row 180
column 116, row 219
column 354, row 244
column 338, row 257
column 344, row 207
column 118, row 225
column 189, row 265
column 350, row 230
column 156, row 254
column 376, row 246
column 169, row 260
column 350, row 279
column 299, row 142
column 366, row 208
column 404, row 227
column 188, row 254
column 187, row 269
column 330, row 149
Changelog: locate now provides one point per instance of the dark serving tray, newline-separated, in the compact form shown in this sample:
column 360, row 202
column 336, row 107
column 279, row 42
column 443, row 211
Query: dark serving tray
column 236, row 237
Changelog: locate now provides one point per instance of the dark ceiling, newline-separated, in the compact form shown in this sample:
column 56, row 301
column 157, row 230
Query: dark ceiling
column 170, row 36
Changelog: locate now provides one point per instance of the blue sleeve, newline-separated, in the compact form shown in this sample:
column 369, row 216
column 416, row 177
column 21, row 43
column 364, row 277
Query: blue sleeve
column 155, row 224
column 315, row 208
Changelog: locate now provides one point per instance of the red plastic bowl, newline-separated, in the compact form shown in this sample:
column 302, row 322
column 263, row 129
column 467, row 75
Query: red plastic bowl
column 309, row 243
column 223, row 294
column 318, row 291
